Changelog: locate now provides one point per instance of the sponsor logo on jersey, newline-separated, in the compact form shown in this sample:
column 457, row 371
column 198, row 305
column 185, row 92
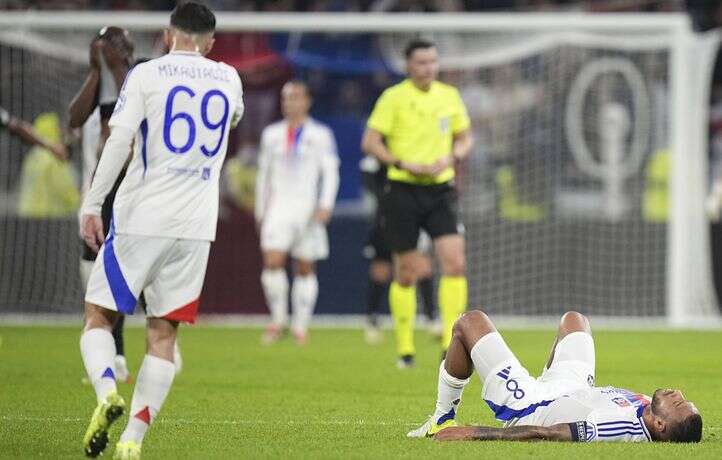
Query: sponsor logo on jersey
column 504, row 373
column 621, row 402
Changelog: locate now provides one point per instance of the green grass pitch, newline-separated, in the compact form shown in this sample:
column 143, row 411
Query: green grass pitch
column 335, row 398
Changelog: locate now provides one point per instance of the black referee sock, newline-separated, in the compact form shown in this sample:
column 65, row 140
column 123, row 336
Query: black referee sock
column 374, row 295
column 118, row 336
column 426, row 289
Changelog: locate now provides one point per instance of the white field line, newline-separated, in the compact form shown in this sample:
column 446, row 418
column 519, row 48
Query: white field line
column 350, row 422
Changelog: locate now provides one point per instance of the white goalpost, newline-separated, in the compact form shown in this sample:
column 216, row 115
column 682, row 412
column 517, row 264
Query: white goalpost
column 587, row 182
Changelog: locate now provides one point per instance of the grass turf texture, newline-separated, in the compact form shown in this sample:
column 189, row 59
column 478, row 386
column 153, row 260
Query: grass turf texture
column 335, row 398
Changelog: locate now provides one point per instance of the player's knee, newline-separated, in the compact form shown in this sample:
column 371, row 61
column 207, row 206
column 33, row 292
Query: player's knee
column 380, row 272
column 573, row 321
column 274, row 260
column 161, row 335
column 473, row 323
column 305, row 268
column 455, row 266
column 406, row 274
column 99, row 318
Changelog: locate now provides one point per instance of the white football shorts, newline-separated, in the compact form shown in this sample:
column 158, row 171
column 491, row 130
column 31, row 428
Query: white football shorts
column 169, row 272
column 514, row 395
column 302, row 238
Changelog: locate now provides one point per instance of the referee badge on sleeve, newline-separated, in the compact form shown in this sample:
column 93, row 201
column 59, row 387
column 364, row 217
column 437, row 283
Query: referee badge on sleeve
column 444, row 125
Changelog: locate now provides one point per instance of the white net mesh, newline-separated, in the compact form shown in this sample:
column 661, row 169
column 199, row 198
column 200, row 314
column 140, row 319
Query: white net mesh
column 565, row 197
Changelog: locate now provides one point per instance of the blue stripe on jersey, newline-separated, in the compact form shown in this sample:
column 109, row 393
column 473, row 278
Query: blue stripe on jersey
column 616, row 422
column 618, row 428
column 123, row 296
column 621, row 433
column 144, row 148
column 617, row 425
column 505, row 413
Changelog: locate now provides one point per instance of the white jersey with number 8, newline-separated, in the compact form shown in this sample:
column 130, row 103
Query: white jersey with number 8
column 183, row 106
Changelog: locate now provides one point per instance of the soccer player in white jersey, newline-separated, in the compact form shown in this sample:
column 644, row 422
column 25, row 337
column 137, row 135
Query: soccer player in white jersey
column 295, row 194
column 164, row 216
column 562, row 404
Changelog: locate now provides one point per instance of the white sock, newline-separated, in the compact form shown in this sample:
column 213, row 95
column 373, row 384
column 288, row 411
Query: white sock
column 275, row 287
column 303, row 297
column 98, row 351
column 449, row 395
column 154, row 381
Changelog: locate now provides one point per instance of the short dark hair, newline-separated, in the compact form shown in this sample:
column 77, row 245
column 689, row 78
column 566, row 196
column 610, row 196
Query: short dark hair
column 418, row 44
column 302, row 84
column 688, row 430
column 193, row 18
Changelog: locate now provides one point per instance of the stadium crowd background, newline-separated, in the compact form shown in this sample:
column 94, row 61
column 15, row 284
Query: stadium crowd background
column 346, row 74
column 429, row 6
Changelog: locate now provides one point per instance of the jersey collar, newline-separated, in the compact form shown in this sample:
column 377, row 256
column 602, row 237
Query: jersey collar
column 186, row 53
column 431, row 88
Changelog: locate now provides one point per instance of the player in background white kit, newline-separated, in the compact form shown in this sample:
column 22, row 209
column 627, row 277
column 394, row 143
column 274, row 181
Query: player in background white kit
column 295, row 194
column 562, row 404
column 182, row 105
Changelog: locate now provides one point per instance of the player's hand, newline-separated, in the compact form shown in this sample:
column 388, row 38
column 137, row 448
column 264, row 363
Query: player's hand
column 441, row 165
column 91, row 229
column 455, row 433
column 416, row 169
column 711, row 207
column 59, row 150
column 713, row 203
column 96, row 47
column 323, row 215
column 115, row 56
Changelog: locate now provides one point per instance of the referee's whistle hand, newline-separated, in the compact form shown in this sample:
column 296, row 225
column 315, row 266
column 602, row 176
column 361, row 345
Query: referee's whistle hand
column 92, row 231
column 416, row 169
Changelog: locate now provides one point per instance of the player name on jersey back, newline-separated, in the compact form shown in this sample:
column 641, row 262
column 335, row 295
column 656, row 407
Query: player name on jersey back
column 182, row 106
column 207, row 72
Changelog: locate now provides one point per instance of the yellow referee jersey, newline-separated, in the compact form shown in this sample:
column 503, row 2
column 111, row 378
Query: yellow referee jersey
column 419, row 126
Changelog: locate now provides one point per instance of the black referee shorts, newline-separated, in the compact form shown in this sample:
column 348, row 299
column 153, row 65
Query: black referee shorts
column 408, row 208
column 376, row 247
column 106, row 214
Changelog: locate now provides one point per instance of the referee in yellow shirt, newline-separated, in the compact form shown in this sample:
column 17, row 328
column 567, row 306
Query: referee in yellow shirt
column 419, row 128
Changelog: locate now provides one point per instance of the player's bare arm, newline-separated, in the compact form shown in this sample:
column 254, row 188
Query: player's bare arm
column 84, row 102
column 560, row 432
column 373, row 144
column 25, row 131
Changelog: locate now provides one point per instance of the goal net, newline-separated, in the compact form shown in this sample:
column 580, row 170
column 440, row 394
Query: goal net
column 584, row 189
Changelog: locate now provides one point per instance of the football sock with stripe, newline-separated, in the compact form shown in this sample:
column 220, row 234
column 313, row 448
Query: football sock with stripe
column 448, row 397
column 303, row 297
column 98, row 351
column 453, row 297
column 154, row 381
column 402, row 302
column 275, row 288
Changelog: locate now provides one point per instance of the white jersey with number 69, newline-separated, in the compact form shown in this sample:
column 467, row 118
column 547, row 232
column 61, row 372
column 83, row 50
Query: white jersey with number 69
column 182, row 105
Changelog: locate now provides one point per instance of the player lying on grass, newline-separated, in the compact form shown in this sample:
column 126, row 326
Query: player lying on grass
column 561, row 405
